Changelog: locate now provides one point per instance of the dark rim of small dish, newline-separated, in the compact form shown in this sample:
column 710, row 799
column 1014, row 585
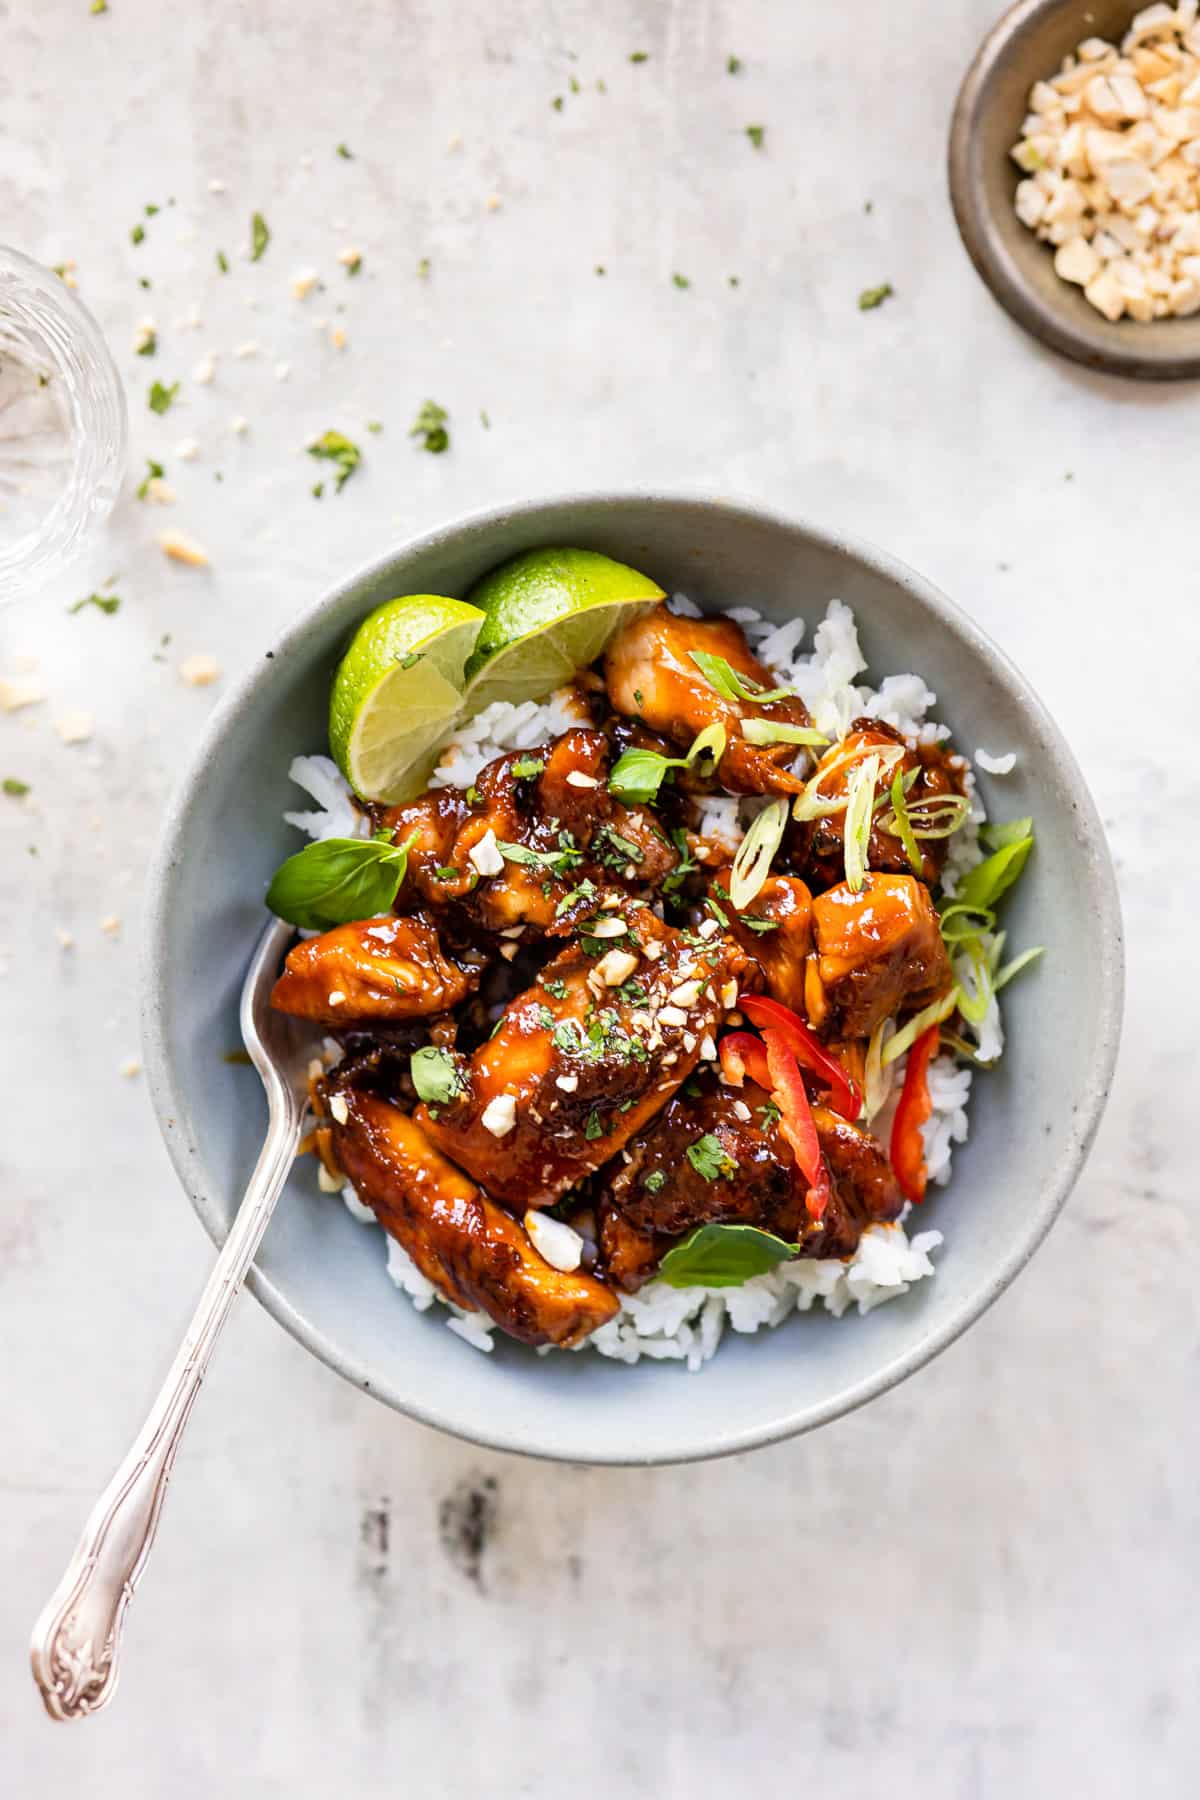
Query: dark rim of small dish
column 1157, row 350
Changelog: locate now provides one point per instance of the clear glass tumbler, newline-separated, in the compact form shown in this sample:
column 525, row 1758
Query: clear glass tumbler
column 63, row 425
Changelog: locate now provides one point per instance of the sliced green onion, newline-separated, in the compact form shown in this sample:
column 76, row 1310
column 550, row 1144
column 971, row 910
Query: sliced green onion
column 752, row 864
column 959, row 923
column 1016, row 965
column 722, row 676
column 987, row 881
column 908, row 1034
column 860, row 795
column 770, row 731
column 1013, row 831
column 639, row 774
column 900, row 826
column 940, row 816
column 950, row 1040
column 975, row 999
column 813, row 803
column 877, row 1076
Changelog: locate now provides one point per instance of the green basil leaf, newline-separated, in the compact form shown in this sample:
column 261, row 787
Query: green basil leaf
column 435, row 1075
column 337, row 881
column 638, row 774
column 723, row 1256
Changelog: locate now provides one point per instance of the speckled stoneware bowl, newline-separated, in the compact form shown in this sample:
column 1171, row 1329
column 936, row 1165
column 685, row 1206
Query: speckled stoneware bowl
column 1026, row 45
column 322, row 1275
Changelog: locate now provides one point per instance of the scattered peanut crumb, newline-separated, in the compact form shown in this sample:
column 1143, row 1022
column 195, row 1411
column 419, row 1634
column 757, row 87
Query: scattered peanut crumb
column 216, row 187
column 249, row 348
column 204, row 370
column 16, row 694
column 146, row 334
column 111, row 926
column 200, row 671
column 187, row 449
column 130, row 1067
column 337, row 337
column 74, row 727
column 159, row 491
column 494, row 203
column 240, row 425
column 183, row 549
column 304, row 283
column 66, row 939
column 282, row 371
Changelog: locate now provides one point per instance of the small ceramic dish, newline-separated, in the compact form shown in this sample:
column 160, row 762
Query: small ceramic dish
column 322, row 1275
column 1028, row 45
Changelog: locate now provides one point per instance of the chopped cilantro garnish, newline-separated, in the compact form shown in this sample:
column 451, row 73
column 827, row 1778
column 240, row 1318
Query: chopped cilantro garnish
column 573, row 84
column 585, row 891
column 721, row 917
column 318, row 488
column 162, row 398
column 769, row 1114
column 105, row 603
column 430, row 426
column 353, row 263
column 760, row 925
column 733, row 65
column 710, row 1159
column 600, row 269
column 545, row 1018
column 526, row 767
column 485, row 421
column 99, row 6
column 447, row 872
column 411, row 660
column 556, row 861
column 154, row 472
column 423, row 268
column 137, row 234
column 374, row 426
column 150, row 209
column 557, row 103
column 222, row 262
column 681, row 281
column 615, row 851
column 655, row 1180
column 639, row 56
column 872, row 297
column 14, row 787
column 149, row 343
column 757, row 135
column 344, row 152
column 260, row 236
column 472, row 795
column 334, row 448
column 593, row 1128
column 556, row 989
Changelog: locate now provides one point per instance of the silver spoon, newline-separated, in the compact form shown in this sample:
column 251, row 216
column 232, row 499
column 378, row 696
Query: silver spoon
column 77, row 1640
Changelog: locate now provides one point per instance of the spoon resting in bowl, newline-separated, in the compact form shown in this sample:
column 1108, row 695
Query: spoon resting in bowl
column 76, row 1642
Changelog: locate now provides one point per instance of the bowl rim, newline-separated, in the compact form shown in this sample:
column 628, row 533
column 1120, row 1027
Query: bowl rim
column 165, row 1092
column 1092, row 343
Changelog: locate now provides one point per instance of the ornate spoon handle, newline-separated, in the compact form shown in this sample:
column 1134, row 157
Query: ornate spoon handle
column 77, row 1640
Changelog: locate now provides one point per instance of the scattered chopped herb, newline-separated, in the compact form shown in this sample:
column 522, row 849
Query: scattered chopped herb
column 710, row 1159
column 154, row 472
column 557, row 103
column 162, row 398
column 435, row 1075
column 149, row 344
column 260, row 236
column 545, row 1018
column 222, row 262
column 447, row 872
column 639, row 774
column 318, row 488
column 684, row 867
column 14, row 787
column 759, row 925
column 334, row 448
column 757, row 135
column 472, row 795
column 556, row 989
column 600, row 269
column 585, row 891
column 137, row 234
column 735, row 281
column 681, row 281
column 557, row 861
column 573, row 84
column 353, row 263
column 374, row 426
column 430, row 425
column 526, row 767
column 105, row 603
column 721, row 917
column 725, row 680
column 411, row 660
column 593, row 1128
column 868, row 206
column 655, row 1181
column 151, row 209
column 638, row 698
column 344, row 152
column 733, row 65
column 98, row 6
column 770, row 1114
column 423, row 268
column 615, row 851
column 143, row 281
column 872, row 297
column 639, row 56
column 485, row 421
column 601, row 87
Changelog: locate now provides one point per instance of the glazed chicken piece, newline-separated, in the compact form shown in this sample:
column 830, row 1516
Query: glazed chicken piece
column 818, row 846
column 775, row 931
column 878, row 952
column 538, row 824
column 581, row 1060
column 651, row 676
column 740, row 1170
column 384, row 968
column 473, row 1252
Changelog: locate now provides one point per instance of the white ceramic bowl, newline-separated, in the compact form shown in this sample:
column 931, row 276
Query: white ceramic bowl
column 322, row 1275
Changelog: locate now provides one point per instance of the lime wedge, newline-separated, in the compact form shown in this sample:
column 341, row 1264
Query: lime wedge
column 398, row 690
column 548, row 613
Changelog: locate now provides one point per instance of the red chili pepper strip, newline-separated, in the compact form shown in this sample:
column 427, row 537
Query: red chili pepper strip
column 908, row 1146
column 743, row 1054
column 807, row 1048
column 787, row 1085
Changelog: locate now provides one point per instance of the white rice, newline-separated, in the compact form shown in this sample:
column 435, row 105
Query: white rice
column 686, row 1324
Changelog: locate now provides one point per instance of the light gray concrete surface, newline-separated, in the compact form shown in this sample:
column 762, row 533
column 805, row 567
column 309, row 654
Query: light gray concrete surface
column 981, row 1586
